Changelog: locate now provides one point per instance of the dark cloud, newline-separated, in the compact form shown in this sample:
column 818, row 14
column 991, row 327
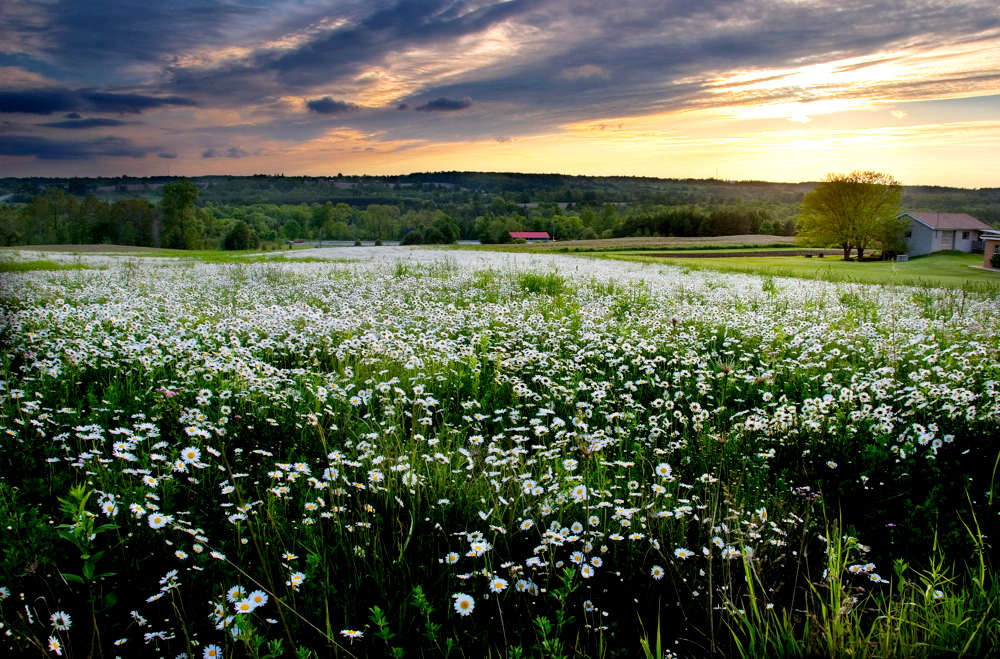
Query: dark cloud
column 51, row 100
column 130, row 103
column 103, row 40
column 167, row 155
column 47, row 149
column 391, row 27
column 72, row 115
column 38, row 101
column 445, row 105
column 327, row 105
column 231, row 152
column 85, row 123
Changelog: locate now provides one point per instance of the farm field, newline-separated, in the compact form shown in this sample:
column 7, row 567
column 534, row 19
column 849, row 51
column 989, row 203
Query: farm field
column 951, row 270
column 637, row 243
column 468, row 453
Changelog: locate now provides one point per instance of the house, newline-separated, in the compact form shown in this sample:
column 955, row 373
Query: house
column 531, row 236
column 934, row 232
column 991, row 244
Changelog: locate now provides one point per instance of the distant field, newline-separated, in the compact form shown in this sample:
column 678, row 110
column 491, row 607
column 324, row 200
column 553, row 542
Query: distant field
column 91, row 249
column 748, row 240
column 948, row 270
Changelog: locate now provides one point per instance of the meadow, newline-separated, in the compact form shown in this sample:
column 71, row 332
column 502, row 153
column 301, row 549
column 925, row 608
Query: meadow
column 415, row 452
column 938, row 270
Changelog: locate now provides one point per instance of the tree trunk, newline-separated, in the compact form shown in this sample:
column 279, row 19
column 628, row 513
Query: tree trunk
column 861, row 253
column 847, row 252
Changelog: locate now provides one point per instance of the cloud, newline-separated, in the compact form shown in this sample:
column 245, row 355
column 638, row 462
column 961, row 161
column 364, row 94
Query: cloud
column 54, row 99
column 167, row 155
column 279, row 73
column 77, row 123
column 231, row 152
column 443, row 104
column 585, row 72
column 47, row 149
column 327, row 105
column 130, row 103
column 15, row 76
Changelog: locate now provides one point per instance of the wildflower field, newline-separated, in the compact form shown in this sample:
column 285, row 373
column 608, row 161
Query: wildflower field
column 471, row 454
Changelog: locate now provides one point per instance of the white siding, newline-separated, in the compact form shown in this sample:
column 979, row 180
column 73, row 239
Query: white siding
column 966, row 244
column 921, row 239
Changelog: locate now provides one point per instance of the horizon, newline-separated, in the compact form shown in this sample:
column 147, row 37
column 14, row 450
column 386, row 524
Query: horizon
column 472, row 172
column 777, row 92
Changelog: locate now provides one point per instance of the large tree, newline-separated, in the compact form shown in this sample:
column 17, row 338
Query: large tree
column 183, row 228
column 856, row 210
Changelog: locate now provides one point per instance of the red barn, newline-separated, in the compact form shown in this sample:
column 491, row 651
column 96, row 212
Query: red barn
column 531, row 236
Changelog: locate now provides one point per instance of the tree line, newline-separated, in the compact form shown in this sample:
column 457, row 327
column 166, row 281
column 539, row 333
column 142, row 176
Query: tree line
column 243, row 212
column 181, row 219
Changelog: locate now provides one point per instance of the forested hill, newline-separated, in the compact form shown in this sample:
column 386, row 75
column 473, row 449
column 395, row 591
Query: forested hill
column 470, row 205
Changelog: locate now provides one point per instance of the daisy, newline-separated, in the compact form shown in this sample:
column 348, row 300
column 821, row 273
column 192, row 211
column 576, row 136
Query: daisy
column 244, row 606
column 235, row 593
column 680, row 552
column 191, row 455
column 498, row 585
column 656, row 572
column 158, row 521
column 296, row 579
column 351, row 633
column 258, row 597
column 463, row 604
column 211, row 652
column 61, row 621
column 55, row 645
column 587, row 571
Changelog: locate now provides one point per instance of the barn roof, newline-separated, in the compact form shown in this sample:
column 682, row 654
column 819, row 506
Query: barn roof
column 529, row 234
column 950, row 221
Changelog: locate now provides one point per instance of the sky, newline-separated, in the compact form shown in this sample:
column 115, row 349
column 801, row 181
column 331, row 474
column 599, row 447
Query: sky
column 785, row 90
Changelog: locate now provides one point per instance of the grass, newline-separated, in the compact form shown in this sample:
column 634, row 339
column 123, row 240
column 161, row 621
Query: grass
column 945, row 270
column 39, row 264
column 646, row 243
column 214, row 256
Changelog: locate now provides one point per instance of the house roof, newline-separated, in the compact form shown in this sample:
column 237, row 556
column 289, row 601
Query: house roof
column 950, row 221
column 527, row 235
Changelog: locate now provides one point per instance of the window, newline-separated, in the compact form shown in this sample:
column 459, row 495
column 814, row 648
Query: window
column 965, row 235
column 909, row 233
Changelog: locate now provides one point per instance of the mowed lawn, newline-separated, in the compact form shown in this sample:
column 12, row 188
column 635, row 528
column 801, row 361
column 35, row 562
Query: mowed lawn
column 948, row 270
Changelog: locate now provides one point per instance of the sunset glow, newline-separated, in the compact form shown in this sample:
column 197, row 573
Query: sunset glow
column 784, row 91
